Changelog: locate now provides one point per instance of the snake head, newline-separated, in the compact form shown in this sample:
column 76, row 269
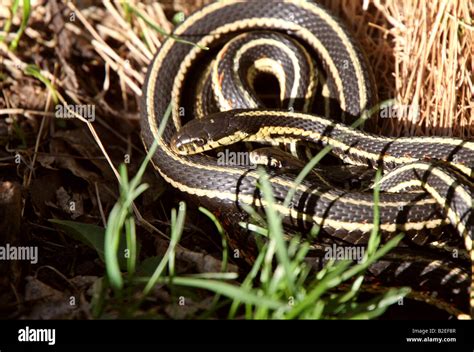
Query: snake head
column 209, row 133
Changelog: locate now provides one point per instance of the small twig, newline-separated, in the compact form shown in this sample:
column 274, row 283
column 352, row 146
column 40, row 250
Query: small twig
column 47, row 107
column 99, row 203
column 136, row 89
column 120, row 63
column 126, row 26
column 19, row 111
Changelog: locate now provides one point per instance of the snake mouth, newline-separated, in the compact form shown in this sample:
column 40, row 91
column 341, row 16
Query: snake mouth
column 178, row 147
column 182, row 144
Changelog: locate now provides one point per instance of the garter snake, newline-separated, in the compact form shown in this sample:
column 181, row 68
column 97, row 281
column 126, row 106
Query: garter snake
column 183, row 77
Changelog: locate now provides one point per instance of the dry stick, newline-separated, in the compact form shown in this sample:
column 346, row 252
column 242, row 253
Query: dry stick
column 437, row 108
column 451, row 81
column 94, row 134
column 445, row 118
column 406, row 64
column 106, row 84
column 132, row 85
column 388, row 14
column 85, row 23
column 161, row 17
column 138, row 55
column 419, row 75
column 123, row 89
column 115, row 34
column 146, row 34
column 430, row 45
column 118, row 60
column 71, row 27
column 108, row 5
column 19, row 111
column 39, row 38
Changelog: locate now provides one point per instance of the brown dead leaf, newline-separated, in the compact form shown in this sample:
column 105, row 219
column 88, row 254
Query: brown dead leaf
column 46, row 161
column 45, row 302
column 36, row 290
column 28, row 94
column 78, row 142
column 71, row 204
column 64, row 159
column 43, row 191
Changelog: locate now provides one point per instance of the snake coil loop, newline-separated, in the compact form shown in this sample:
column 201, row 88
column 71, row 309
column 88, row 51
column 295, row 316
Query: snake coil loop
column 182, row 76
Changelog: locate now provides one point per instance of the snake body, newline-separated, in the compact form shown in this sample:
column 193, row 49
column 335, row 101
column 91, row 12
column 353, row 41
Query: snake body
column 172, row 80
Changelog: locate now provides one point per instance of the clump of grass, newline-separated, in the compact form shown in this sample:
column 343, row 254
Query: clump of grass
column 421, row 54
column 299, row 293
column 280, row 285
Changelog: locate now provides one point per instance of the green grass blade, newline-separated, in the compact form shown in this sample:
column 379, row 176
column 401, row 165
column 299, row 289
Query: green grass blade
column 33, row 70
column 8, row 22
column 160, row 30
column 131, row 245
column 275, row 228
column 24, row 23
column 176, row 231
column 237, row 293
column 247, row 283
column 220, row 230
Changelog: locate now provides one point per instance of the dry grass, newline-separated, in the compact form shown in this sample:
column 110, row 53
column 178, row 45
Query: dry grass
column 422, row 55
column 433, row 50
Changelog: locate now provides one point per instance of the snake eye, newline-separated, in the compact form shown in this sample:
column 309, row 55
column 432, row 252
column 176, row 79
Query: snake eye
column 200, row 142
